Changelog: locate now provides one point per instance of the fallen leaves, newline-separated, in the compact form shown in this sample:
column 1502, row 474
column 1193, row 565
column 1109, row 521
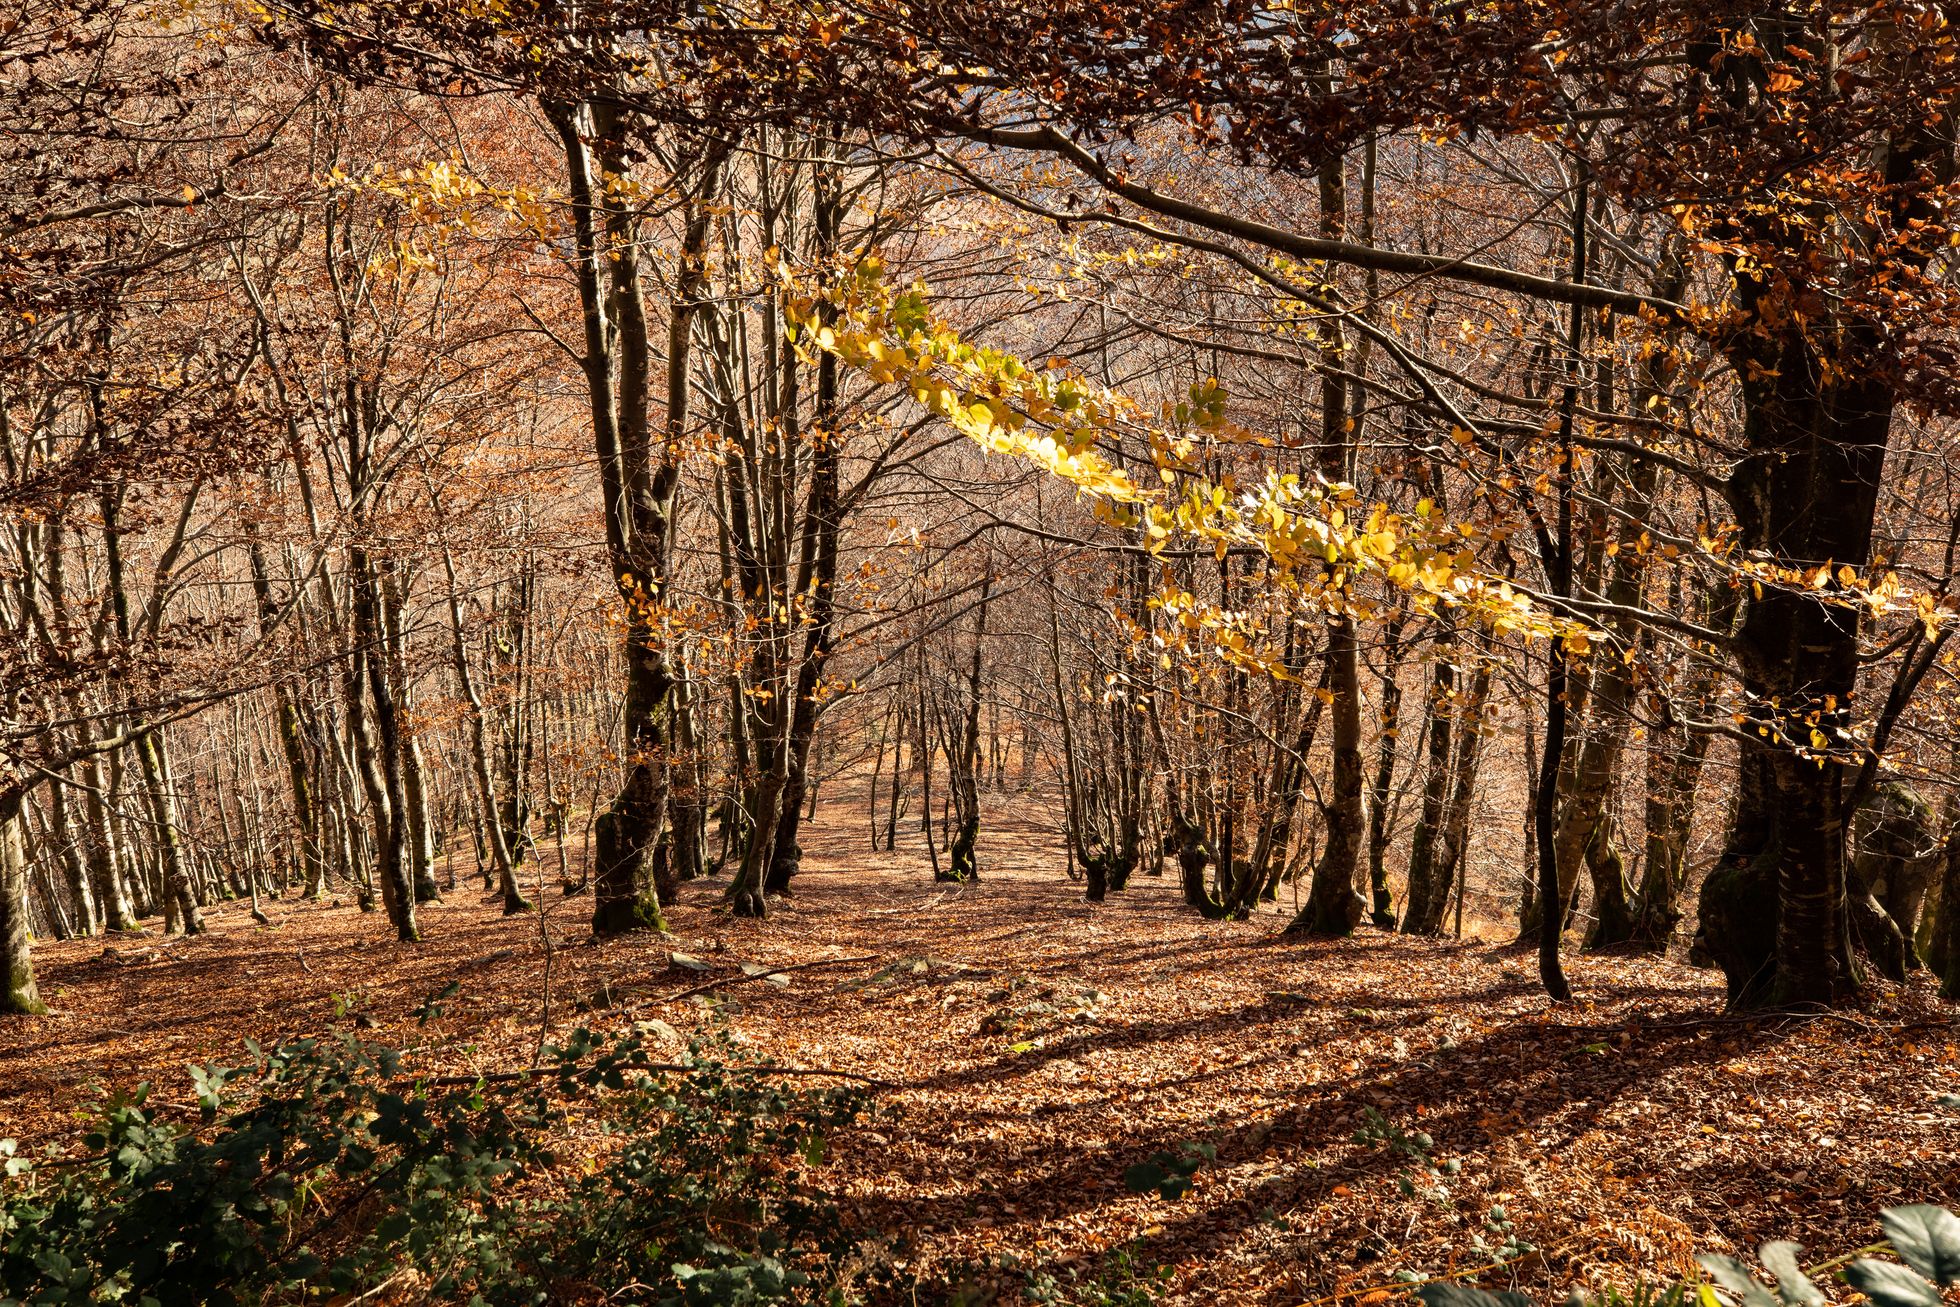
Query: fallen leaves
column 1045, row 1046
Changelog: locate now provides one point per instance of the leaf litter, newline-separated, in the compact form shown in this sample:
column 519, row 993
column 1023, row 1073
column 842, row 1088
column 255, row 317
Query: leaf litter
column 1336, row 1120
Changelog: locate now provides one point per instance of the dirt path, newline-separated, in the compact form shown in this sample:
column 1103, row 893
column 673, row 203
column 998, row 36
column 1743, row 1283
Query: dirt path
column 1046, row 1045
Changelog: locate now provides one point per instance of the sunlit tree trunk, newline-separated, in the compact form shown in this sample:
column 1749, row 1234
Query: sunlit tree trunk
column 292, row 741
column 387, row 793
column 18, row 993
column 1453, row 856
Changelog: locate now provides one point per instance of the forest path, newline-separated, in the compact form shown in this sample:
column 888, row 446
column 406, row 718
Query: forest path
column 1047, row 1044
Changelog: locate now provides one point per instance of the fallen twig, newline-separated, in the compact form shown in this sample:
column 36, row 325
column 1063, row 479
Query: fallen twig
column 763, row 975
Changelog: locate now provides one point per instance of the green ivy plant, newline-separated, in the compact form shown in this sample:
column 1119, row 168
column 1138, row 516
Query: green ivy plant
column 327, row 1167
column 1170, row 1173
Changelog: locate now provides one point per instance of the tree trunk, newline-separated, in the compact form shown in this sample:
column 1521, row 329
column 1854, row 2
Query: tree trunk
column 105, row 864
column 1673, row 776
column 963, row 759
column 69, row 833
column 1335, row 905
column 687, row 847
column 291, row 738
column 1555, row 553
column 18, row 993
column 180, row 899
column 1423, row 903
column 480, row 772
column 816, row 576
column 1453, row 858
column 1672, row 779
column 637, row 480
column 1381, row 904
column 1944, row 955
column 387, row 791
column 1774, row 914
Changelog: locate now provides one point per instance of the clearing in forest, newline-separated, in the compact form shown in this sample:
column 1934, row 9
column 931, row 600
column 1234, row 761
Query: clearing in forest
column 1358, row 1112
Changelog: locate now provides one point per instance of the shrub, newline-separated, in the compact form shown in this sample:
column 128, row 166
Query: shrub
column 326, row 1167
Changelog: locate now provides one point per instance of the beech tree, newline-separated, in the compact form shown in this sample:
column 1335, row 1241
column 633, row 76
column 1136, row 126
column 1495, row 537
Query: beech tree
column 1404, row 467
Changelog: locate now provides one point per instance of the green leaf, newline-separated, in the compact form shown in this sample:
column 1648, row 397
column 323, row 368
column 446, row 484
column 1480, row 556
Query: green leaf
column 1734, row 1276
column 1928, row 1238
column 1143, row 1177
column 1890, row 1285
column 1457, row 1295
column 1792, row 1285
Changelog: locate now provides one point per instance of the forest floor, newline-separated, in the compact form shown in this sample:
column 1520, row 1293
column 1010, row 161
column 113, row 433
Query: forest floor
column 1044, row 1045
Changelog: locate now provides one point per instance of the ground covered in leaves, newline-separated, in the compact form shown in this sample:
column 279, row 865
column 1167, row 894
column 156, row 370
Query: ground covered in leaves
column 1340, row 1117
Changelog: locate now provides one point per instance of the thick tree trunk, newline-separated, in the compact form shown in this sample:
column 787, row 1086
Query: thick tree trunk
column 1187, row 841
column 637, row 480
column 1944, row 955
column 1334, row 905
column 1775, row 914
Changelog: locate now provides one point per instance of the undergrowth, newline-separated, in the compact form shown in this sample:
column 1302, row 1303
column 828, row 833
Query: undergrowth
column 329, row 1168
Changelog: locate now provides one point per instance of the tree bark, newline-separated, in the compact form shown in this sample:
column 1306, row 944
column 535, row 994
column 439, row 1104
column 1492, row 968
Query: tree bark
column 1387, row 742
column 18, row 993
column 386, row 793
column 817, row 565
column 1423, row 902
column 480, row 771
column 1335, row 905
column 637, row 480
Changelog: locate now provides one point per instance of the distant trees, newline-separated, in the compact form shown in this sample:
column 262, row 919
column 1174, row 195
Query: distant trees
column 1793, row 150
column 1494, row 441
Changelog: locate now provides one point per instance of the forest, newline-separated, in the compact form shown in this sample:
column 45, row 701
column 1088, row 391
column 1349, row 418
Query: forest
column 1092, row 652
